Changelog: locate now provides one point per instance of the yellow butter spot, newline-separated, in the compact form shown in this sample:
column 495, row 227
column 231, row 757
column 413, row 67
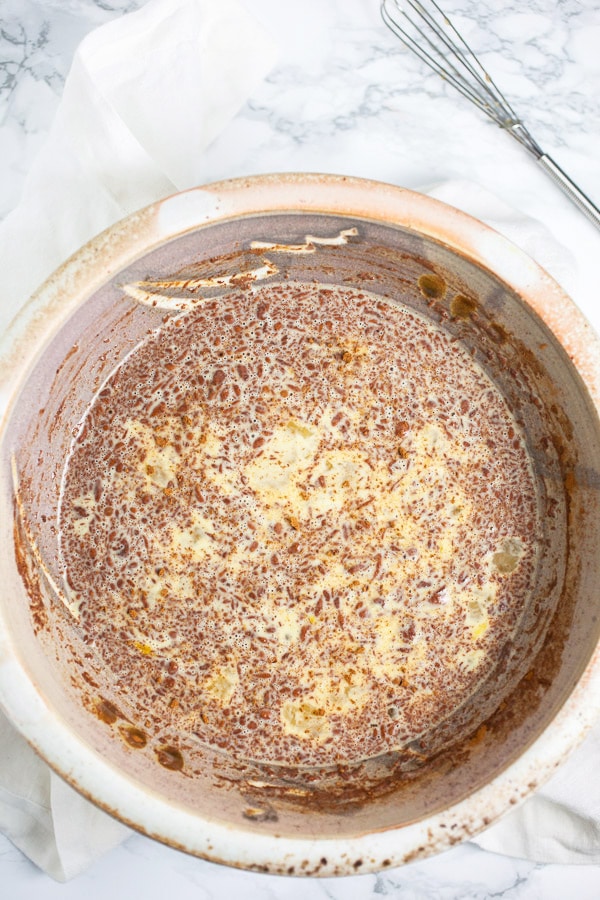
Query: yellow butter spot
column 143, row 648
column 480, row 629
column 508, row 556
column 222, row 684
column 304, row 719
column 284, row 458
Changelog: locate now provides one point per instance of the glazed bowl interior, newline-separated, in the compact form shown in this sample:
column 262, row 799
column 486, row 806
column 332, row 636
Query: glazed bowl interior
column 536, row 670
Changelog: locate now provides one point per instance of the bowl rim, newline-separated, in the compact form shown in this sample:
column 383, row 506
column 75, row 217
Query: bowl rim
column 23, row 702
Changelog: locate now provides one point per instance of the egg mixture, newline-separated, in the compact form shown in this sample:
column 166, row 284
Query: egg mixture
column 298, row 524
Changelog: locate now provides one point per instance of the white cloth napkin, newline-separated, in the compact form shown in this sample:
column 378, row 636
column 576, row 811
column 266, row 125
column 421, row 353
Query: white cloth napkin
column 146, row 94
column 561, row 823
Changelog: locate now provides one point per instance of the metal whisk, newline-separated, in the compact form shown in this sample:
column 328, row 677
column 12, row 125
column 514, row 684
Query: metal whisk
column 426, row 30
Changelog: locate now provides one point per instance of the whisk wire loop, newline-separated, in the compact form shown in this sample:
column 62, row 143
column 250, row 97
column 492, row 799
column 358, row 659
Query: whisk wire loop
column 428, row 32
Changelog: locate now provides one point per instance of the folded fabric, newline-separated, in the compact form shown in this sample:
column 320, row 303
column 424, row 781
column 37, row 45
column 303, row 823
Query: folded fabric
column 146, row 94
column 43, row 816
column 561, row 822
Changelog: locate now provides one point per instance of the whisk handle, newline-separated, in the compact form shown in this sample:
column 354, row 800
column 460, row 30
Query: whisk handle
column 560, row 177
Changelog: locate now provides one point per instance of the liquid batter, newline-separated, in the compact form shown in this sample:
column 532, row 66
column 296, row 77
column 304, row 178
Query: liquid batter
column 298, row 524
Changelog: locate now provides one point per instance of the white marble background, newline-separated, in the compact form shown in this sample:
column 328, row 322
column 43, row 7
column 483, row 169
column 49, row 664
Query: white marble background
column 345, row 97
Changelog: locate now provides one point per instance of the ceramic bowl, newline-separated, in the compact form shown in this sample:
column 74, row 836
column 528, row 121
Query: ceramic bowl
column 534, row 344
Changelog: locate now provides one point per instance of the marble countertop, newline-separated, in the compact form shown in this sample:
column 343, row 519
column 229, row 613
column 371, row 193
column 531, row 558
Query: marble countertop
column 344, row 97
